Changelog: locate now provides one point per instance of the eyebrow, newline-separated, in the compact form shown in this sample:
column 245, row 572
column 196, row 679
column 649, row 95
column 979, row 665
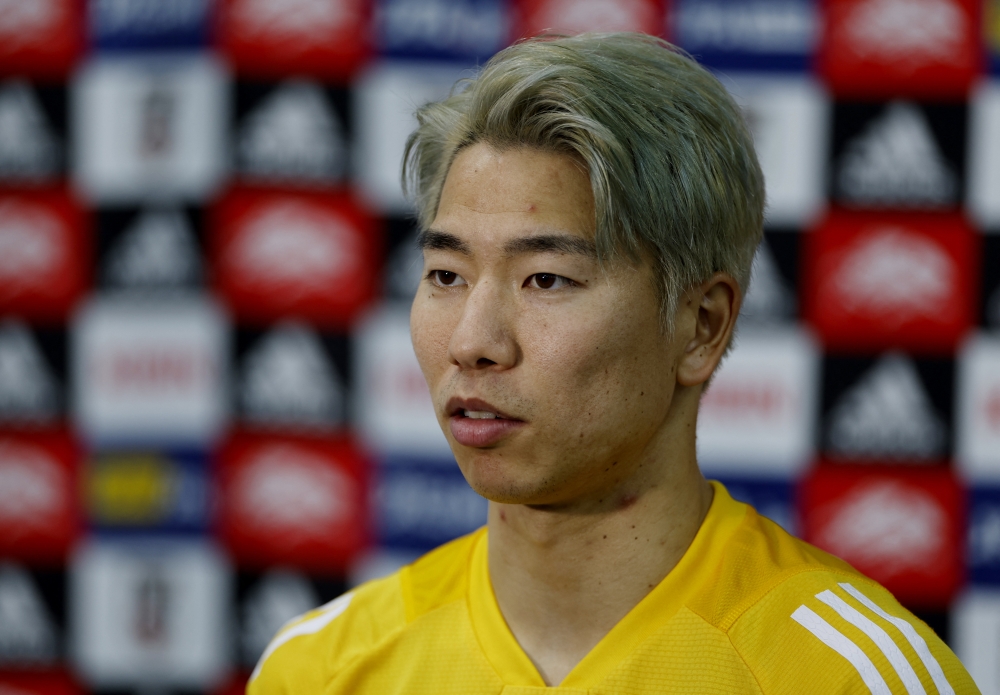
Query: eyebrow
column 542, row 243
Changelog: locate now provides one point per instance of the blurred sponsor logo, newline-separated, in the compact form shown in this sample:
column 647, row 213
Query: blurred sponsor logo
column 28, row 389
column 149, row 22
column 27, row 632
column 158, row 251
column 887, row 414
column 29, row 150
column 293, row 134
column 908, row 32
column 576, row 16
column 150, row 612
column 293, row 500
column 460, row 28
column 308, row 256
column 760, row 409
column 278, row 596
column 289, row 380
column 978, row 417
column 895, row 162
column 761, row 26
column 984, row 535
column 883, row 281
column 38, row 507
column 150, row 369
column 294, row 21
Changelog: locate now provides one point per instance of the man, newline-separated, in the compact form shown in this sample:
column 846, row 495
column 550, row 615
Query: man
column 590, row 209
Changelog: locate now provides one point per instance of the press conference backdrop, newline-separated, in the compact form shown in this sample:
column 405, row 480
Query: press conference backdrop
column 211, row 418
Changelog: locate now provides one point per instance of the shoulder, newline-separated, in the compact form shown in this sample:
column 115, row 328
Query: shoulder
column 805, row 621
column 308, row 651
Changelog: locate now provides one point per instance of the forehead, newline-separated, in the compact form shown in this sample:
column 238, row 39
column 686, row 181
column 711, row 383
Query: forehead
column 490, row 191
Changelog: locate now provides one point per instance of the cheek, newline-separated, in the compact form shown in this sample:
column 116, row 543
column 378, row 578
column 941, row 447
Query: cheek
column 430, row 332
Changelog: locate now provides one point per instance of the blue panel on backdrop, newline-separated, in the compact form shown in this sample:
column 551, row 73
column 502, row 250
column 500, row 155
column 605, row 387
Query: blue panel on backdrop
column 141, row 491
column 748, row 34
column 771, row 497
column 421, row 504
column 984, row 535
column 154, row 24
column 466, row 30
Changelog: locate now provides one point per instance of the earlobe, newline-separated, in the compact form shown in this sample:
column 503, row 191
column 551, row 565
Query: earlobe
column 713, row 307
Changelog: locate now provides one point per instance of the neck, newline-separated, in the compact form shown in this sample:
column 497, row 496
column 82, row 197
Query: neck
column 564, row 576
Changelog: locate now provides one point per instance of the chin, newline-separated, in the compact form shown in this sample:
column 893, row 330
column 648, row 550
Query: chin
column 490, row 478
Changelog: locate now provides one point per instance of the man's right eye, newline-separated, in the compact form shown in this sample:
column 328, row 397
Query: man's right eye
column 446, row 278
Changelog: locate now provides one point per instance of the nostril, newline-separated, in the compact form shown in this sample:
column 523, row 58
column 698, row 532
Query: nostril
column 483, row 362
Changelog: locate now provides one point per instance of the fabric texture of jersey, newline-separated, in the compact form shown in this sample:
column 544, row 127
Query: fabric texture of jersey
column 748, row 609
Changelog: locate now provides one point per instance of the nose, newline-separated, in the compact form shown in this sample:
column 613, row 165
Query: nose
column 484, row 336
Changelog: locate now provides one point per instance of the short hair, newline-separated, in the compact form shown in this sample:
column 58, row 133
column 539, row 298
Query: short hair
column 670, row 159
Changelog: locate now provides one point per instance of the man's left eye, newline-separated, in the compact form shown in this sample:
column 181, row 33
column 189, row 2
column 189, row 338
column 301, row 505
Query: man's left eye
column 547, row 281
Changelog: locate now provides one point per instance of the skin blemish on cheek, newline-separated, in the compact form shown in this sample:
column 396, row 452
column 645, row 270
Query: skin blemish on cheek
column 627, row 501
column 503, row 515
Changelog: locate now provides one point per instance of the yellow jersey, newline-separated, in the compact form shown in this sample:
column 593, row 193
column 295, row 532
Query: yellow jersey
column 748, row 609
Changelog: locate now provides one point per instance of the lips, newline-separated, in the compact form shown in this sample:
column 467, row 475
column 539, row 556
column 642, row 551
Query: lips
column 476, row 423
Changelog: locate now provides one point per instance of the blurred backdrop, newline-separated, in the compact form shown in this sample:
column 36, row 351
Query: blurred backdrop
column 211, row 418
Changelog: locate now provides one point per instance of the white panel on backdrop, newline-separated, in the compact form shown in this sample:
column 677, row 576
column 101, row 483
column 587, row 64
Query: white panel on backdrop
column 975, row 636
column 150, row 612
column 789, row 118
column 149, row 127
column 393, row 406
column 149, row 369
column 759, row 413
column 984, row 155
column 978, row 408
column 385, row 99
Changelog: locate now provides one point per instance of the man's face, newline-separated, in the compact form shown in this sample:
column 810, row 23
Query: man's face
column 550, row 375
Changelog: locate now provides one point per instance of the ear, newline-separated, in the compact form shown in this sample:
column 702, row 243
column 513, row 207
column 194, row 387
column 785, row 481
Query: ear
column 713, row 307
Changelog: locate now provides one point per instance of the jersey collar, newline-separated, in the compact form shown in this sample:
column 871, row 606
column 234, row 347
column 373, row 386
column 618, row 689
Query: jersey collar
column 691, row 574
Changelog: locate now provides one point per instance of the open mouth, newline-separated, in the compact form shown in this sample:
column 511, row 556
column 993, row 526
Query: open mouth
column 482, row 415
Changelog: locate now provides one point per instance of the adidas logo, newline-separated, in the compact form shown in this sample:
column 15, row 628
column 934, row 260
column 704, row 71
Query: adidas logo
column 768, row 298
column 577, row 16
column 22, row 22
column 27, row 632
column 893, row 275
column 896, row 162
column 286, row 488
column 31, row 244
column 457, row 26
column 295, row 21
column 295, row 245
column 157, row 251
column 288, row 379
column 28, row 149
column 292, row 134
column 279, row 596
column 909, row 33
column 28, row 390
column 760, row 27
column 886, row 525
column 887, row 414
column 31, row 486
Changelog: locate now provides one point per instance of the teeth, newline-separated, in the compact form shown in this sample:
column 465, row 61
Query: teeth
column 480, row 414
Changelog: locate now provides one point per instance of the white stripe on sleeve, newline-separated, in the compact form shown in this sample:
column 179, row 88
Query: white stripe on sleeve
column 881, row 639
column 915, row 640
column 840, row 643
column 327, row 613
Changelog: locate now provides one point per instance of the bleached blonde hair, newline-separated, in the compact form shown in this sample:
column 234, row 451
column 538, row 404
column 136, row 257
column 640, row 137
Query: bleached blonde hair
column 670, row 159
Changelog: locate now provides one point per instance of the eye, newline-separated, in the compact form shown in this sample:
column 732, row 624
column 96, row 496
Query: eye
column 446, row 278
column 547, row 281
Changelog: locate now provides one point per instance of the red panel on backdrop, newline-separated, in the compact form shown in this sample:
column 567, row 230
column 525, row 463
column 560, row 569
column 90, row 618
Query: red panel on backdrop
column 39, row 507
column 875, row 281
column 292, row 500
column 40, row 38
column 313, row 256
column 901, row 526
column 890, row 48
column 38, row 683
column 534, row 17
column 271, row 38
column 44, row 254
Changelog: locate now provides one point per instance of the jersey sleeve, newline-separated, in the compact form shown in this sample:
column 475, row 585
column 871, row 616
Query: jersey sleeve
column 825, row 632
column 307, row 652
